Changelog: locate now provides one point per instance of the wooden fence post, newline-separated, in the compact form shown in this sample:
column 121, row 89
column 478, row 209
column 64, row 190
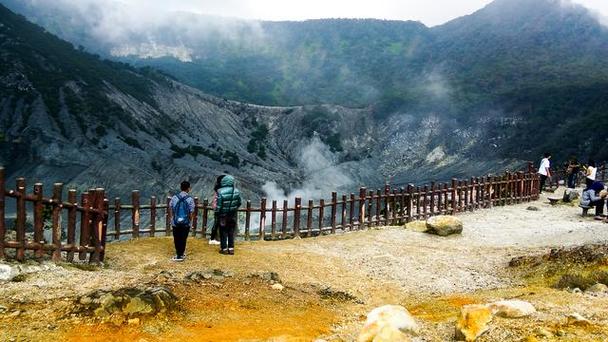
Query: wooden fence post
column 432, row 199
column 38, row 220
column 84, row 225
column 285, row 219
column 195, row 217
column 152, row 216
column 401, row 205
column 334, row 211
column 135, row 213
column 351, row 212
column 321, row 215
column 454, row 200
column 425, row 202
column 104, row 231
column 247, row 220
column 98, row 225
column 56, row 220
column 2, row 212
column 362, row 195
column 21, row 218
column 206, row 217
column 410, row 199
column 343, row 218
column 72, row 211
column 309, row 218
column 370, row 209
column 168, row 218
column 262, row 218
column 296, row 217
column 378, row 207
column 273, row 221
column 117, row 218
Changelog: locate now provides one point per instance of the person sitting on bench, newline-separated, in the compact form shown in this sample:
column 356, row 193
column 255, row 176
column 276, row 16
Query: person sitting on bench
column 594, row 196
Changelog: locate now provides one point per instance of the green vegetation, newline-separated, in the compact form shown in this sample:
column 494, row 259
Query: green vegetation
column 259, row 138
column 324, row 123
column 223, row 157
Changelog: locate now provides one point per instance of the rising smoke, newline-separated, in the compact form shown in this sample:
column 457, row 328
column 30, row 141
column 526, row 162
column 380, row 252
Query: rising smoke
column 320, row 173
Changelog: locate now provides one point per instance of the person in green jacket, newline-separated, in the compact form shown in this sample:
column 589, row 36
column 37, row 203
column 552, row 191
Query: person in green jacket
column 226, row 210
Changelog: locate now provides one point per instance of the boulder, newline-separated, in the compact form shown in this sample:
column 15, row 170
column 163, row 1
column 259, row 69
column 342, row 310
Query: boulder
column 132, row 302
column 416, row 226
column 388, row 323
column 512, row 308
column 598, row 288
column 577, row 319
column 444, row 225
column 473, row 322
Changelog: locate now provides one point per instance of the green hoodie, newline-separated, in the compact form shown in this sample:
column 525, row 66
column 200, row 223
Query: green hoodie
column 228, row 197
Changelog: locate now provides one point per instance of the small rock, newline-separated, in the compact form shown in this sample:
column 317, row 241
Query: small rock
column 444, row 225
column 542, row 332
column 6, row 272
column 133, row 321
column 138, row 305
column 576, row 290
column 532, row 208
column 3, row 309
column 15, row 313
column 512, row 308
column 85, row 300
column 388, row 323
column 278, row 287
column 577, row 319
column 598, row 288
column 560, row 333
column 473, row 322
column 247, row 282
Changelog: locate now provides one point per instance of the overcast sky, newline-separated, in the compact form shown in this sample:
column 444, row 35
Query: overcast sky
column 430, row 12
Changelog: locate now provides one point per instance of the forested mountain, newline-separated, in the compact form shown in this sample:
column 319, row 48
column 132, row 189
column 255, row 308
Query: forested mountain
column 371, row 100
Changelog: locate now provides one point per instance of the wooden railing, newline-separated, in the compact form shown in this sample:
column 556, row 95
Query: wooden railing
column 84, row 223
column 284, row 219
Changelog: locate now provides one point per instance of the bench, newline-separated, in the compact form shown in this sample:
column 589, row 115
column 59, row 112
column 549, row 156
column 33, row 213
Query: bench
column 554, row 200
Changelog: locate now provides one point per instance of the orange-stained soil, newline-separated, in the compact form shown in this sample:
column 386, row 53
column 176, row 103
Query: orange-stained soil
column 228, row 311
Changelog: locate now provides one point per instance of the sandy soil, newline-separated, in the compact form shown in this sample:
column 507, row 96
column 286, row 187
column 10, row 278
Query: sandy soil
column 430, row 275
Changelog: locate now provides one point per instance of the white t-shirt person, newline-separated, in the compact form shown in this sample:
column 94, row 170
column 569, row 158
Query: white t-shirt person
column 591, row 172
column 545, row 165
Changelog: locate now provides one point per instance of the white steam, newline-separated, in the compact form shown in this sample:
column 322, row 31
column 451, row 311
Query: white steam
column 148, row 31
column 321, row 175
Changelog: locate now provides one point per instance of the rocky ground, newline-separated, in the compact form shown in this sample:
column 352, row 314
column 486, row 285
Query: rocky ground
column 301, row 290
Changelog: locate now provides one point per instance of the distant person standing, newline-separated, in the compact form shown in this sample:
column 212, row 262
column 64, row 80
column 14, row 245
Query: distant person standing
column 590, row 173
column 226, row 210
column 572, row 170
column 215, row 234
column 182, row 210
column 544, row 170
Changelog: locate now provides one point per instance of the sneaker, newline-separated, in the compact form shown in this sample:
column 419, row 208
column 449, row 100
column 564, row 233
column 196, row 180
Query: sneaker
column 178, row 258
column 231, row 251
column 214, row 242
column 224, row 251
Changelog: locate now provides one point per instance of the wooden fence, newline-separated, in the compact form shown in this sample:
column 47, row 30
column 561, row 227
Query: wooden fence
column 284, row 219
column 90, row 215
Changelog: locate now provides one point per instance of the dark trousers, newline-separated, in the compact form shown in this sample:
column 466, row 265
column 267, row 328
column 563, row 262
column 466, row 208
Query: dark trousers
column 599, row 207
column 543, row 179
column 215, row 230
column 227, row 231
column 180, row 236
column 572, row 180
column 588, row 182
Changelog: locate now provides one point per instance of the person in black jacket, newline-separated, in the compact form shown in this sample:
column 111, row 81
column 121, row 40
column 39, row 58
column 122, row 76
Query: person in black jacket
column 226, row 210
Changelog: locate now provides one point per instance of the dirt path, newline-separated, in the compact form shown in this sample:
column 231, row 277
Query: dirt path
column 378, row 266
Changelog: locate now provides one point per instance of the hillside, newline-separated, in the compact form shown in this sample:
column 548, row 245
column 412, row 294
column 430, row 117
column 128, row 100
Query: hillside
column 535, row 68
column 66, row 115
